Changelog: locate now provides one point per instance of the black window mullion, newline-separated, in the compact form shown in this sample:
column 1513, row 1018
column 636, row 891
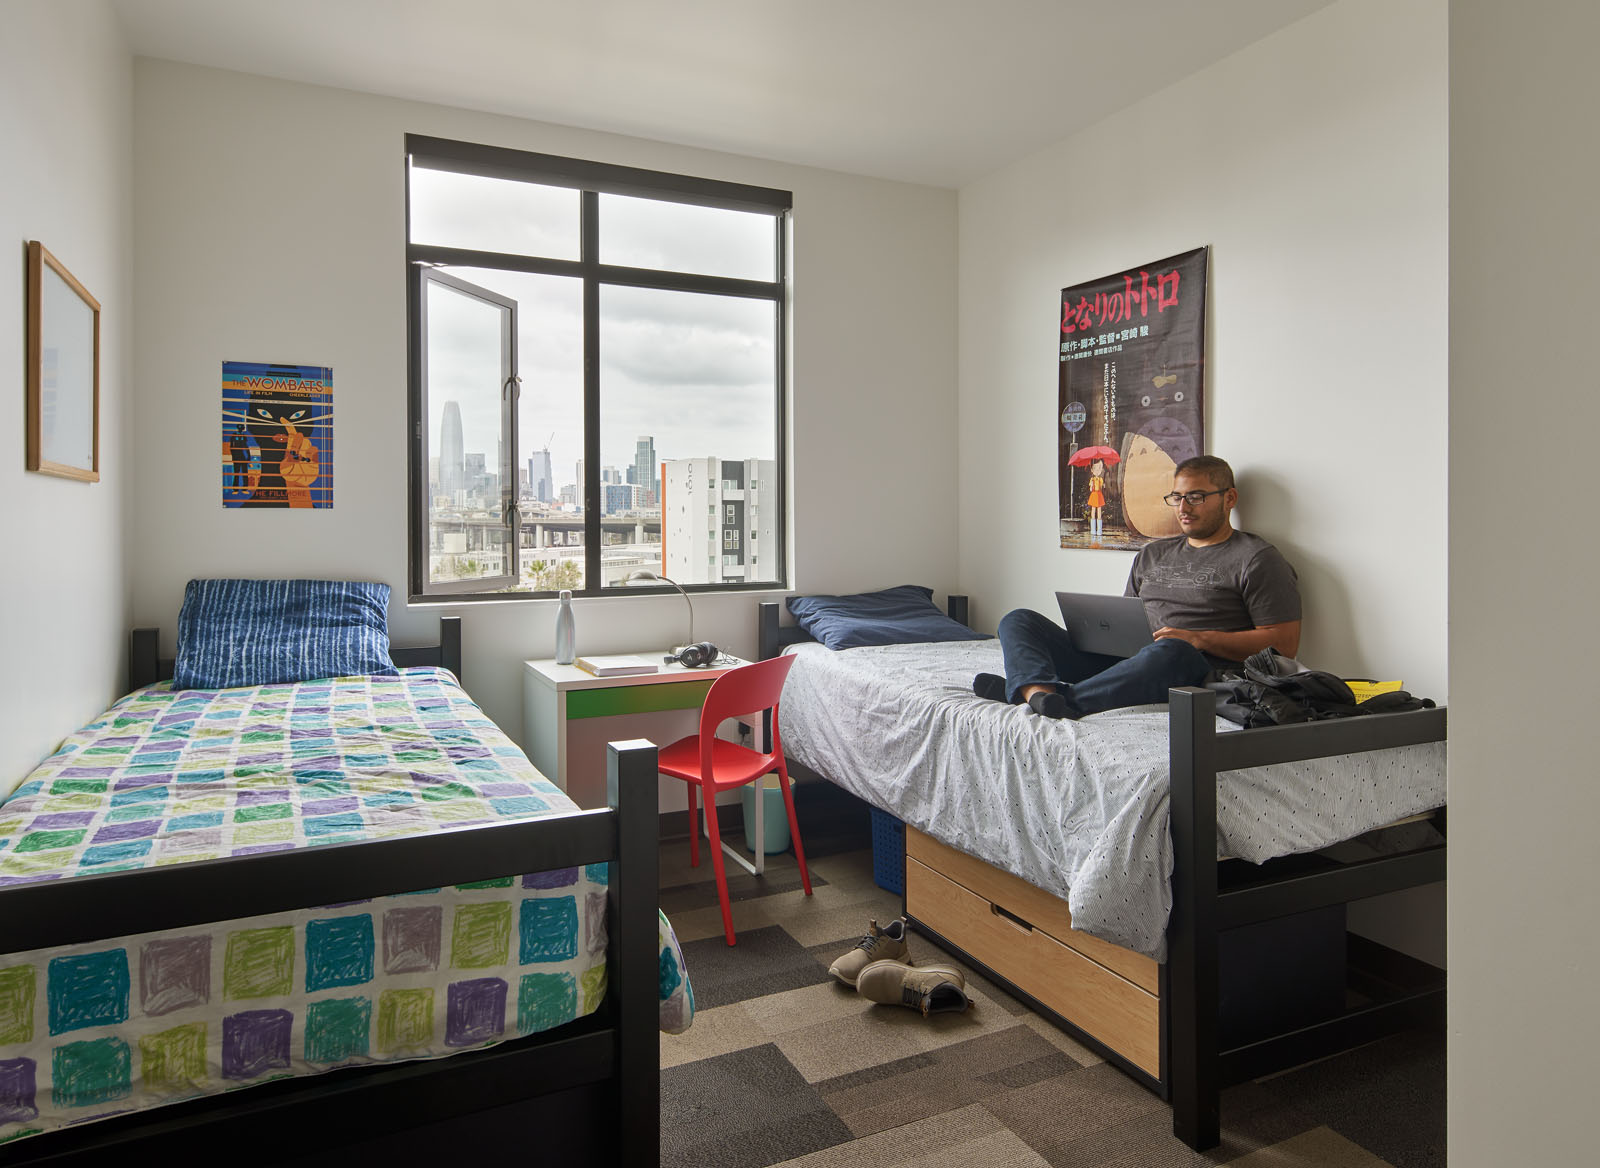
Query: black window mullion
column 689, row 282
column 589, row 253
column 780, row 359
column 437, row 255
column 587, row 176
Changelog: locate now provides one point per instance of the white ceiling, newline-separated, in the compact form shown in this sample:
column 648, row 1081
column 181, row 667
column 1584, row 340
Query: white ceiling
column 927, row 91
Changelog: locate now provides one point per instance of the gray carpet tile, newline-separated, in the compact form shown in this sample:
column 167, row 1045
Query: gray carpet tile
column 742, row 1110
column 693, row 893
column 1388, row 1097
column 1054, row 1114
column 765, row 961
column 1142, row 1137
column 941, row 1080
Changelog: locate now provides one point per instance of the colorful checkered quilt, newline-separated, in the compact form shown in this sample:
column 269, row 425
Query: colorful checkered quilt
column 169, row 777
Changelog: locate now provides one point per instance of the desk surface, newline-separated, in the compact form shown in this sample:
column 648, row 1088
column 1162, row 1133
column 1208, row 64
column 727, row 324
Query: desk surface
column 567, row 677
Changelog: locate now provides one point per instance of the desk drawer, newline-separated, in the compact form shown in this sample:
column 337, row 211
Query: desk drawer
column 1110, row 1007
column 610, row 701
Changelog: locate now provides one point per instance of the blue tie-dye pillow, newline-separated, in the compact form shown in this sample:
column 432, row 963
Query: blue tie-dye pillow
column 264, row 632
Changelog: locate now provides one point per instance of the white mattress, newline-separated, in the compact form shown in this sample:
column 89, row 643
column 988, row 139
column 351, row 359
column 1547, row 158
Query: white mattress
column 1078, row 808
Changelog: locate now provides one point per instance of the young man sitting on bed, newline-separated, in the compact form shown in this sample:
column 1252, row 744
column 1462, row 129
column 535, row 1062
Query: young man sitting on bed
column 1214, row 595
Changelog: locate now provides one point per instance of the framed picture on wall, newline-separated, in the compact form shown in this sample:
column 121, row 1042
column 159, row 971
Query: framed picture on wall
column 63, row 411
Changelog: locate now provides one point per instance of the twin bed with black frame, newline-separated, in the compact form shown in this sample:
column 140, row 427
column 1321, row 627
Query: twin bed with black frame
column 583, row 1092
column 1170, row 1024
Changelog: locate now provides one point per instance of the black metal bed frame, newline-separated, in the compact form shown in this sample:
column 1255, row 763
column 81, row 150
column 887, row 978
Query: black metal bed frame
column 1209, row 899
column 587, row 1092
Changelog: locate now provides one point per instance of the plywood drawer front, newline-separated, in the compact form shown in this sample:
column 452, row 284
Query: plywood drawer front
column 1034, row 905
column 1092, row 997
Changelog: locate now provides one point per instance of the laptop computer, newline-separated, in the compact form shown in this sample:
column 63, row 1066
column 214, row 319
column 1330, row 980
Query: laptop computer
column 1113, row 625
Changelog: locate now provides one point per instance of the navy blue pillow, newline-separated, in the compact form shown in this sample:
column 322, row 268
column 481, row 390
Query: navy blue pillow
column 264, row 632
column 896, row 616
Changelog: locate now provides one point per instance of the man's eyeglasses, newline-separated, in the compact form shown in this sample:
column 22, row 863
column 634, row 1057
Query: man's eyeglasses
column 1193, row 498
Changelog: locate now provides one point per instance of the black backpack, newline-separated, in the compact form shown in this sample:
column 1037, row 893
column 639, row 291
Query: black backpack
column 1269, row 689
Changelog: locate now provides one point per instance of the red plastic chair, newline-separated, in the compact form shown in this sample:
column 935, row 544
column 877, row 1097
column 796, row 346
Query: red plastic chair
column 714, row 764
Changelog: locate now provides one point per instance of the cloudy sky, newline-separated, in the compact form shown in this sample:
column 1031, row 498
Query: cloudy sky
column 691, row 370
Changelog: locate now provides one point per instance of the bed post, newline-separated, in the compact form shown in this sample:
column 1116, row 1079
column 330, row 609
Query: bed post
column 450, row 644
column 633, row 892
column 1192, row 1068
column 144, row 657
column 766, row 629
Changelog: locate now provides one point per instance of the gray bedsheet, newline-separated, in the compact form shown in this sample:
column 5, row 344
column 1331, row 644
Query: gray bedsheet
column 1078, row 808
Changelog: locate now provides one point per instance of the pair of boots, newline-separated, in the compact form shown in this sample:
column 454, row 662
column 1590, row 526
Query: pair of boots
column 880, row 969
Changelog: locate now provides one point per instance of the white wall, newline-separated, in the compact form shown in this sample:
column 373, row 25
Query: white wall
column 1524, row 406
column 65, row 126
column 1314, row 164
column 270, row 226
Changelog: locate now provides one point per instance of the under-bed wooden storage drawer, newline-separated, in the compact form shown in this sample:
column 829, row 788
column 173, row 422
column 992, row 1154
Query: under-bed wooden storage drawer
column 1032, row 904
column 1099, row 1001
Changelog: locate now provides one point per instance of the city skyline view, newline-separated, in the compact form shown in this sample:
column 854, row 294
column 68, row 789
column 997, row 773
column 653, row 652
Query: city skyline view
column 720, row 514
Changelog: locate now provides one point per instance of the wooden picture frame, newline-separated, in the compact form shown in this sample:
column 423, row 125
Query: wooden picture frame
column 63, row 371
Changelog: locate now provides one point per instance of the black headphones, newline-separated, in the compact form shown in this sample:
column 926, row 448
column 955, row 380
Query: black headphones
column 696, row 656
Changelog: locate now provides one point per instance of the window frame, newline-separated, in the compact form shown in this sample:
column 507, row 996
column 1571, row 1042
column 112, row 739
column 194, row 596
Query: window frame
column 591, row 179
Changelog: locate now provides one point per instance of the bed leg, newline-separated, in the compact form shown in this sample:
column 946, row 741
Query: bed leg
column 632, row 780
column 1191, row 1001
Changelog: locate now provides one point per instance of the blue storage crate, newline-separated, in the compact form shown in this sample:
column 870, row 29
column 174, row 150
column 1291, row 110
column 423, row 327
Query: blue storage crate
column 888, row 852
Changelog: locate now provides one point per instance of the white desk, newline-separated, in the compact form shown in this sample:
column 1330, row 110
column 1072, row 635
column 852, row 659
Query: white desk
column 568, row 716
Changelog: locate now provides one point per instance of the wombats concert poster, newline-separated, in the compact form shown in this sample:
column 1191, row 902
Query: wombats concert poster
column 277, row 435
column 1129, row 401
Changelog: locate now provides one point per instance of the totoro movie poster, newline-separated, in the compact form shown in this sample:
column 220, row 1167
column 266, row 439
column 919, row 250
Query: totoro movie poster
column 1130, row 397
column 277, row 435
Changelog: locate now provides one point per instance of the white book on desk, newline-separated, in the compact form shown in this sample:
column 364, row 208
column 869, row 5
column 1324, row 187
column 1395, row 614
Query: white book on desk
column 616, row 666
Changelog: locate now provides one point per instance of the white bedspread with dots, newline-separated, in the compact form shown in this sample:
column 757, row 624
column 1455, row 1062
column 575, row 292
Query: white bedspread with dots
column 1078, row 808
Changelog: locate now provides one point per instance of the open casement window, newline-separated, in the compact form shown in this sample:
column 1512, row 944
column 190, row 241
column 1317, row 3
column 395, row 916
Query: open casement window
column 467, row 435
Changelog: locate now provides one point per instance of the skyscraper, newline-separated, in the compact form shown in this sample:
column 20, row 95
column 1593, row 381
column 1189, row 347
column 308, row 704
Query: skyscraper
column 452, row 460
column 541, row 478
column 644, row 466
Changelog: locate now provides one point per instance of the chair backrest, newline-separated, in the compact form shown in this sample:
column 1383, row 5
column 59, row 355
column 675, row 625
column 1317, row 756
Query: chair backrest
column 748, row 689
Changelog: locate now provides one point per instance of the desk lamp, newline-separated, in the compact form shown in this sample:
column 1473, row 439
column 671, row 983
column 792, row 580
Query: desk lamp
column 646, row 574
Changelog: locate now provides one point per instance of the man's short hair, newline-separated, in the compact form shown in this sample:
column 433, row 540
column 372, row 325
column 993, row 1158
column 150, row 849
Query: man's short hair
column 1212, row 467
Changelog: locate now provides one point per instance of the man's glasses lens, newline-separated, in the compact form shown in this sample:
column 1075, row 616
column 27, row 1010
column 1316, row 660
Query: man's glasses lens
column 1193, row 498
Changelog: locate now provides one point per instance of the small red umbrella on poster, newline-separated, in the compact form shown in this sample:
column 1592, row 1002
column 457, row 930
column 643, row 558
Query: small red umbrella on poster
column 1095, row 503
column 1089, row 454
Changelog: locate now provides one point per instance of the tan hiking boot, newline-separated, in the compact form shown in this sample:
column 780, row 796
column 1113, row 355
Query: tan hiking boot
column 933, row 989
column 885, row 944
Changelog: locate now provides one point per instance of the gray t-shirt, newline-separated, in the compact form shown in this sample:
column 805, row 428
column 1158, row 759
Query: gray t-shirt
column 1242, row 583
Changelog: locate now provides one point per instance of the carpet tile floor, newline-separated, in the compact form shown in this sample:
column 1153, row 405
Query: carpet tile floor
column 784, row 1066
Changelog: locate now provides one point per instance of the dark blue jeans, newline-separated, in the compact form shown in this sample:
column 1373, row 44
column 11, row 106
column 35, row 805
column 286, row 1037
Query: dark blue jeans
column 1039, row 652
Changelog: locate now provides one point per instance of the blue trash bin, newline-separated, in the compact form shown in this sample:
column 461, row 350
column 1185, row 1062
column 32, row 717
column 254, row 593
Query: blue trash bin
column 775, row 819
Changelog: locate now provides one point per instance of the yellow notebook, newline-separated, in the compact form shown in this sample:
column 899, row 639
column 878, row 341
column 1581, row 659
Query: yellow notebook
column 1368, row 689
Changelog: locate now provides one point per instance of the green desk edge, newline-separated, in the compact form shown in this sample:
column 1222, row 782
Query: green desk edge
column 636, row 699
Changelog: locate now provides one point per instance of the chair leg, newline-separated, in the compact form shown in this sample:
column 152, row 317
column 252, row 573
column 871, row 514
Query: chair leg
column 716, row 863
column 694, row 829
column 794, row 825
